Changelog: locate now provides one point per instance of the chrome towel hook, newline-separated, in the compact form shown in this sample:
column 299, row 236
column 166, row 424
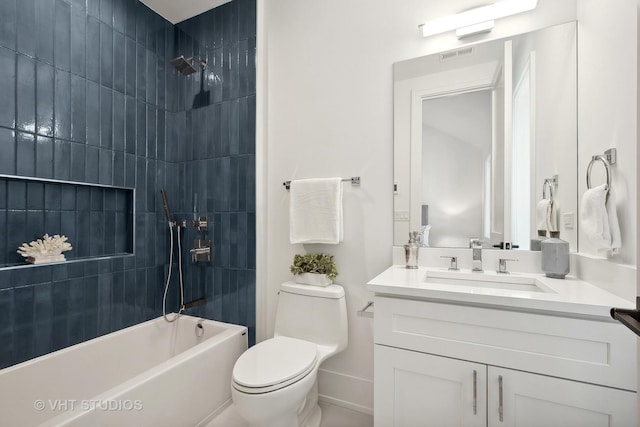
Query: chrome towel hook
column 607, row 159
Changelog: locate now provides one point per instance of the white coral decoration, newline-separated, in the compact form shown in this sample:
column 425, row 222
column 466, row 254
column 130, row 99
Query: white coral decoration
column 46, row 247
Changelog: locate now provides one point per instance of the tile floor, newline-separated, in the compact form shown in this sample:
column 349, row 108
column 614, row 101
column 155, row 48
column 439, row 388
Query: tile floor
column 332, row 416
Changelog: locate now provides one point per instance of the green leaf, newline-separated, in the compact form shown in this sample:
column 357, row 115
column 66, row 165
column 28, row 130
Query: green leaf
column 314, row 263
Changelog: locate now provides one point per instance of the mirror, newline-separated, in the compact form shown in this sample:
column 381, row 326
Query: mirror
column 482, row 134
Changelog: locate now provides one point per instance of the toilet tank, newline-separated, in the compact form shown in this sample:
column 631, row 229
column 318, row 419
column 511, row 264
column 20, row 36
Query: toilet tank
column 313, row 313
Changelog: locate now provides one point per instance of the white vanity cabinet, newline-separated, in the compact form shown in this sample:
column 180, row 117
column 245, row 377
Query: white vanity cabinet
column 443, row 364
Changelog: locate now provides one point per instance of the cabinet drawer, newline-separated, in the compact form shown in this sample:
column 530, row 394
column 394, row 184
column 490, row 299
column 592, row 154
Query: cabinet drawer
column 593, row 351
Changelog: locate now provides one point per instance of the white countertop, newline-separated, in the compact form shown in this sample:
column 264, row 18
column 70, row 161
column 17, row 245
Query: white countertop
column 568, row 296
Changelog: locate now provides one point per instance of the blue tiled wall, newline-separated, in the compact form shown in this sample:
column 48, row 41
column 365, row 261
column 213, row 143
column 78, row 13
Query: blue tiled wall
column 215, row 160
column 89, row 95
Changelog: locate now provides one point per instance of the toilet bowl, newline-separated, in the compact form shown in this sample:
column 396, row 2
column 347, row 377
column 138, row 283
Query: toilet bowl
column 274, row 383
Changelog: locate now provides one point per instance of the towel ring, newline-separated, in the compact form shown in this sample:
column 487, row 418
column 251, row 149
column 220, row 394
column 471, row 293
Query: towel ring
column 607, row 167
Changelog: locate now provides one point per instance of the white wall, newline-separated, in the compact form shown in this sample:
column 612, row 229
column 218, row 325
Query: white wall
column 607, row 108
column 329, row 112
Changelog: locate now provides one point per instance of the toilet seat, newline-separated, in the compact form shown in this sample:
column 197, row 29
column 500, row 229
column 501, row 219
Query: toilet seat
column 274, row 364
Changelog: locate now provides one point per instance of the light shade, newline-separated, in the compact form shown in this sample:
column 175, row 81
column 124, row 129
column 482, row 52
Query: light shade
column 476, row 16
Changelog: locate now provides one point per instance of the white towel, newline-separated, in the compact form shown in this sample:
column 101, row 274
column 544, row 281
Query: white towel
column 614, row 226
column 599, row 218
column 315, row 211
column 542, row 214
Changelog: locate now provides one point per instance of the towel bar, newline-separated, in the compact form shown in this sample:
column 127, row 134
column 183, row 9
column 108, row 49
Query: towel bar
column 355, row 180
column 363, row 312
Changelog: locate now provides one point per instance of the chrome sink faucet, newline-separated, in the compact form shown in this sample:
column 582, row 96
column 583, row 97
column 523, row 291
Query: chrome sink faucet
column 476, row 249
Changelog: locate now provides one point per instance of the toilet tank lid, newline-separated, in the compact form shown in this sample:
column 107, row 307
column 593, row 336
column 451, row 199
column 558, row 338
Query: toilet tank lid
column 331, row 291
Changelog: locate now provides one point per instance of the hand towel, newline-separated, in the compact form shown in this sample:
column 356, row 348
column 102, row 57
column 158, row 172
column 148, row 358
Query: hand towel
column 599, row 218
column 614, row 226
column 542, row 214
column 315, row 211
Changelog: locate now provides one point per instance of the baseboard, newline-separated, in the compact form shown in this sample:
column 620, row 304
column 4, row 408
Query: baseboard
column 346, row 391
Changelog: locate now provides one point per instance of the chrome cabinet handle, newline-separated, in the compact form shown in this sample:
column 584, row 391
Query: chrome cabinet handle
column 475, row 392
column 500, row 403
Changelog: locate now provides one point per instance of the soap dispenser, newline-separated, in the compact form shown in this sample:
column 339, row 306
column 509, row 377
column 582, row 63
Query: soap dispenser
column 411, row 250
column 555, row 256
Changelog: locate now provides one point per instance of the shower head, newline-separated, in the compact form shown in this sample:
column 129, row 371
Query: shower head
column 185, row 65
column 165, row 205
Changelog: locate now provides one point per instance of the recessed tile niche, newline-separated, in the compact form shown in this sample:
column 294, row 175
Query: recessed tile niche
column 97, row 219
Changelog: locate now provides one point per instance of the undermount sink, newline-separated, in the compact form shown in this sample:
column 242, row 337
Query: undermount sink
column 510, row 281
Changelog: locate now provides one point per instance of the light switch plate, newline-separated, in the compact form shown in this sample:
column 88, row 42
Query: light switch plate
column 568, row 220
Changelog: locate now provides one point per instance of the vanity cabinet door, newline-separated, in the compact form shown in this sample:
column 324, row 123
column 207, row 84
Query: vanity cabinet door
column 529, row 400
column 416, row 390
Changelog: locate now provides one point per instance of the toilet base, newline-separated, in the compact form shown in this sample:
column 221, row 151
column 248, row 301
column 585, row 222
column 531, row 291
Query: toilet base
column 314, row 418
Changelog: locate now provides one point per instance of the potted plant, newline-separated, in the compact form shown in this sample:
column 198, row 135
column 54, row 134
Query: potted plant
column 314, row 269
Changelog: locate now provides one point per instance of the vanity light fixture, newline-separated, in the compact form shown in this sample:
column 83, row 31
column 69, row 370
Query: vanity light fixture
column 476, row 20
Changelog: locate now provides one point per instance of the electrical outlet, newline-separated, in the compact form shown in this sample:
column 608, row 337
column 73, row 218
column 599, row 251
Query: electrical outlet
column 568, row 220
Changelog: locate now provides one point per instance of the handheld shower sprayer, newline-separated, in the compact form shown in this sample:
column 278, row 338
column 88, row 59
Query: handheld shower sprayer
column 165, row 205
column 172, row 224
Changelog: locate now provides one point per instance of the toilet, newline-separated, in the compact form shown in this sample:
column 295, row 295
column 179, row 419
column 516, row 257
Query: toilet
column 274, row 383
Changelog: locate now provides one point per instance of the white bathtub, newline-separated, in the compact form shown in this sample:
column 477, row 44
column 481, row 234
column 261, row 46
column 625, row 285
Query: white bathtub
column 152, row 374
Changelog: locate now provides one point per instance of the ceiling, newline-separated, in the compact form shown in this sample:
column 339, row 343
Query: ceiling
column 177, row 11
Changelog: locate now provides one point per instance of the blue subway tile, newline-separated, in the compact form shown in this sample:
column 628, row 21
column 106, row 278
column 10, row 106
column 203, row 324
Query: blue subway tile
column 78, row 109
column 7, row 308
column 76, row 269
column 16, row 195
column 97, row 199
column 152, row 61
column 130, row 67
column 35, row 195
column 106, row 118
column 151, row 132
column 8, row 150
column 44, row 157
column 93, row 113
column 119, row 67
column 62, row 160
column 8, row 19
column 3, row 197
column 141, row 129
column 43, row 303
column 141, row 72
column 93, row 49
column 23, row 301
column 106, row 55
column 130, row 170
column 44, row 98
column 78, row 41
column 60, row 298
column 118, row 121
column 93, row 8
column 130, row 25
column 26, row 27
column 92, row 171
column 44, row 34
column 62, row 35
column 62, row 104
column 7, row 87
column 25, row 154
column 83, row 229
column 79, row 5
column 78, row 159
column 42, row 338
column 106, row 11
column 130, row 125
column 35, row 227
column 119, row 15
column 118, row 168
column 26, row 94
column 52, row 225
column 106, row 167
column 68, row 198
column 75, row 328
column 68, row 228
